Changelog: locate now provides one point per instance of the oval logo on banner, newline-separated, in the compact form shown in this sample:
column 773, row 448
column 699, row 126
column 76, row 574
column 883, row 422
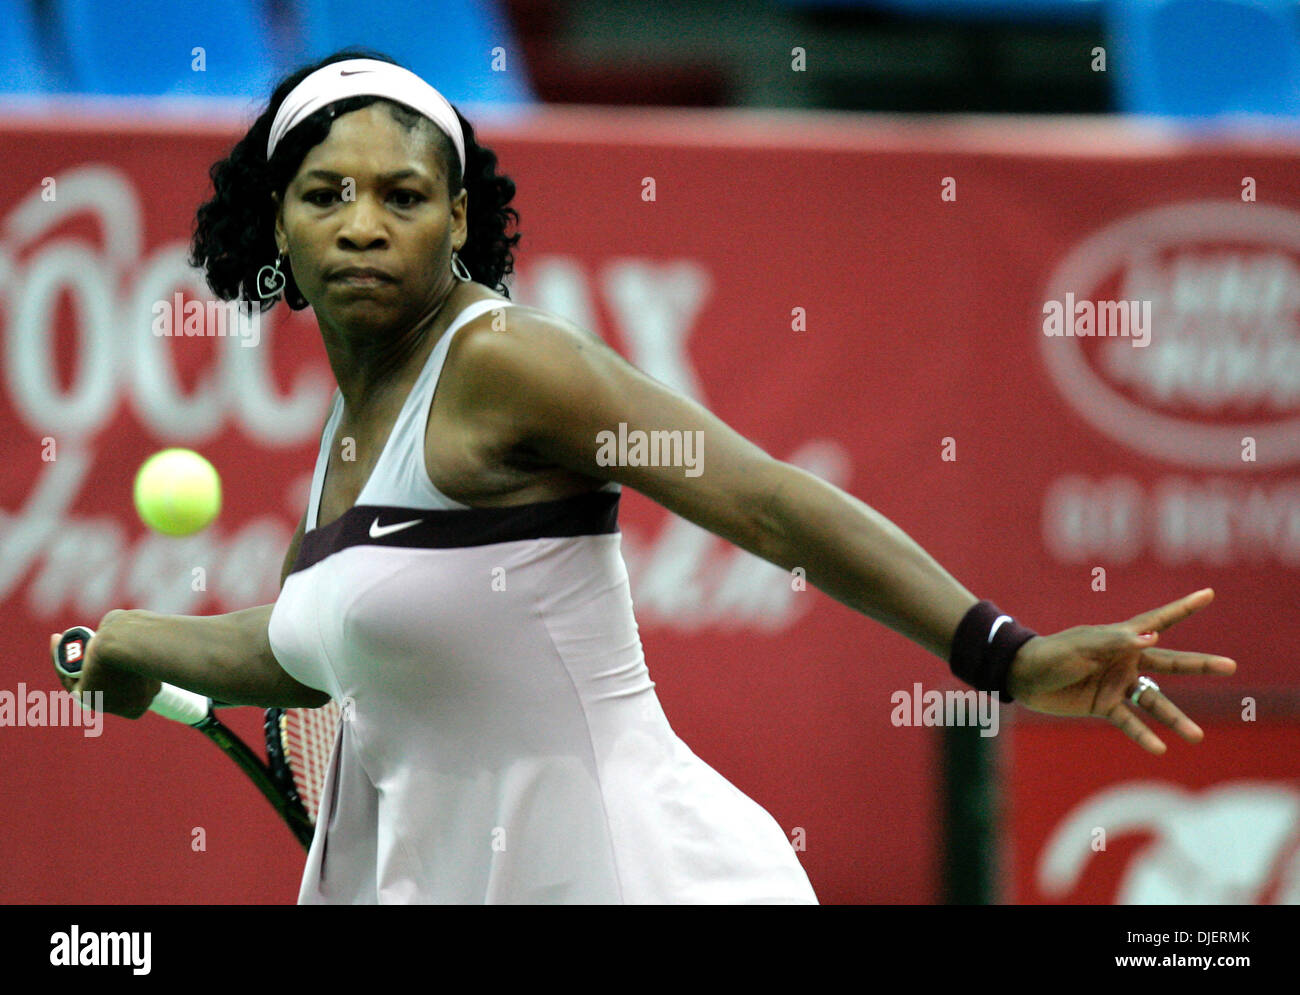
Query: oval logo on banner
column 1174, row 332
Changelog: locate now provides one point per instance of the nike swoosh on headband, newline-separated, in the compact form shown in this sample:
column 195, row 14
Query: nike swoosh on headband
column 377, row 531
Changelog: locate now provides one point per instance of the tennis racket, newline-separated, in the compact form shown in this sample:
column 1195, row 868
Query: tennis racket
column 298, row 740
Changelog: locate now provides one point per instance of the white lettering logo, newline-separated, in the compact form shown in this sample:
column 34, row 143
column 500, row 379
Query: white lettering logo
column 117, row 288
column 1222, row 359
column 101, row 949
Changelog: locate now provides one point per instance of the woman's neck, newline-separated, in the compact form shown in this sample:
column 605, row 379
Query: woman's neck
column 371, row 370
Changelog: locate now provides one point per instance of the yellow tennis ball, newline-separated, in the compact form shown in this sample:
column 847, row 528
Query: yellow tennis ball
column 177, row 492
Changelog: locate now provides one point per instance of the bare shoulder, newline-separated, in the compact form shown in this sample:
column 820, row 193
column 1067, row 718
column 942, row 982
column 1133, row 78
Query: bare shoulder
column 517, row 342
column 510, row 371
column 520, row 325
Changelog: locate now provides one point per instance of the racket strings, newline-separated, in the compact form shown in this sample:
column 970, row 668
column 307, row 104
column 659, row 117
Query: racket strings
column 307, row 735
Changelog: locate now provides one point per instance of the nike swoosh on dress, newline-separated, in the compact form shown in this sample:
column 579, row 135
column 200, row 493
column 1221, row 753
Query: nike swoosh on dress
column 376, row 530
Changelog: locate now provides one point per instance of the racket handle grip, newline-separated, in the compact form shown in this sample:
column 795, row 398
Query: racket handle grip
column 180, row 705
column 170, row 702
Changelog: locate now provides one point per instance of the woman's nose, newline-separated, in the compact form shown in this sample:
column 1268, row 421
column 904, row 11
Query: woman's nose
column 362, row 225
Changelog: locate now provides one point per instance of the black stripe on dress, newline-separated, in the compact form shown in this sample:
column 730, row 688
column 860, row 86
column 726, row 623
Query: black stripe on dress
column 591, row 513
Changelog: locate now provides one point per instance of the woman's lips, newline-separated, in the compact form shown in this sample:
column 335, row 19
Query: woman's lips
column 360, row 276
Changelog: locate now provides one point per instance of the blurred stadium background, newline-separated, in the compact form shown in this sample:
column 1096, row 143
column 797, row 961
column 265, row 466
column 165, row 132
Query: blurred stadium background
column 914, row 179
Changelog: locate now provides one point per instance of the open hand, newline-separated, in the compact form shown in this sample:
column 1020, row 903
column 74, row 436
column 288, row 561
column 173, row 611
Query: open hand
column 1093, row 669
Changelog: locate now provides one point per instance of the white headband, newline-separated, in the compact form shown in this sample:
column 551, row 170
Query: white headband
column 365, row 78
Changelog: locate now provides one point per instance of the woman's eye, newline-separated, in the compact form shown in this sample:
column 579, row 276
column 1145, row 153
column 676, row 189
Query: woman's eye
column 409, row 197
column 323, row 198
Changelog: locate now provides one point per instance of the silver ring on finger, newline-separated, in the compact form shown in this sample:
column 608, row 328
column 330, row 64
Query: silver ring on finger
column 1143, row 684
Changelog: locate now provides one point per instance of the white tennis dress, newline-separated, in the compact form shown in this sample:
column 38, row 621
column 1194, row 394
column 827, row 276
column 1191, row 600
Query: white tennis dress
column 503, row 739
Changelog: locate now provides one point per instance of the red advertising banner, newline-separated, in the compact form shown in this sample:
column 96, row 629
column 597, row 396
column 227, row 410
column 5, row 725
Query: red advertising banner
column 1214, row 825
column 904, row 310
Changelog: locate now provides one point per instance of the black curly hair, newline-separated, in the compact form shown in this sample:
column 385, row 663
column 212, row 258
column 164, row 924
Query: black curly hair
column 234, row 232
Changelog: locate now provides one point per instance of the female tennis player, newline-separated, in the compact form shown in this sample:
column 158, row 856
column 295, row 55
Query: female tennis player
column 459, row 584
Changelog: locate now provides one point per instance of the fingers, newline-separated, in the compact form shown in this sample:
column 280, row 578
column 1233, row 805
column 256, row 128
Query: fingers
column 1133, row 727
column 1163, row 661
column 1154, row 703
column 1159, row 619
column 1159, row 706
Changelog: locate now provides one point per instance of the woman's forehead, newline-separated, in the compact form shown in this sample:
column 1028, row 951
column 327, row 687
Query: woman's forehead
column 370, row 141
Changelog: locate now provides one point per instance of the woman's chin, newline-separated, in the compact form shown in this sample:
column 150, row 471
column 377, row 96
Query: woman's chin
column 359, row 313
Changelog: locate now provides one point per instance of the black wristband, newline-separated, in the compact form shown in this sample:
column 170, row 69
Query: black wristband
column 983, row 663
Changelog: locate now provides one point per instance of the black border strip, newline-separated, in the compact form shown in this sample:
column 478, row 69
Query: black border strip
column 592, row 513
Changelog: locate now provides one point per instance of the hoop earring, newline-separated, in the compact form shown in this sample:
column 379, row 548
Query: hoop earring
column 270, row 280
column 462, row 273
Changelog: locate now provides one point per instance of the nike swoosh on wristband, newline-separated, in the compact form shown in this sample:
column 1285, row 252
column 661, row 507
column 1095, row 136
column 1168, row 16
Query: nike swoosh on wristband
column 996, row 623
column 354, row 72
column 376, row 530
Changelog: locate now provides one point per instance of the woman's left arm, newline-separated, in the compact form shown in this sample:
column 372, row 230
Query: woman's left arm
column 861, row 558
column 554, row 391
